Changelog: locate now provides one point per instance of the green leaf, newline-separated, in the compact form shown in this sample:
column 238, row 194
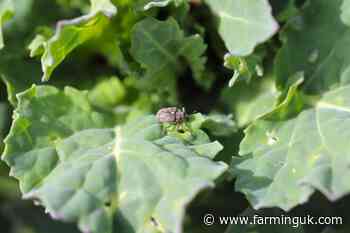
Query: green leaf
column 284, row 162
column 219, row 124
column 36, row 47
column 158, row 47
column 131, row 178
column 345, row 12
column 193, row 52
column 244, row 68
column 6, row 13
column 316, row 46
column 244, row 24
column 248, row 102
column 70, row 34
column 107, row 93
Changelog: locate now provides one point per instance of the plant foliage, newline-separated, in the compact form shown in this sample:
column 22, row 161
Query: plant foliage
column 265, row 124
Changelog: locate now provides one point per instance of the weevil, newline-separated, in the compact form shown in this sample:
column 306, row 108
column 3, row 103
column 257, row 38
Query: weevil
column 171, row 115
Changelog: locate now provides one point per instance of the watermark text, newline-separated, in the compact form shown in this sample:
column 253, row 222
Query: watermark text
column 293, row 221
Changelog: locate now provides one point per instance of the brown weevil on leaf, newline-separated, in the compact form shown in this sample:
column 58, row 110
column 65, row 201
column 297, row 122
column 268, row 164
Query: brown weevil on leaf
column 171, row 115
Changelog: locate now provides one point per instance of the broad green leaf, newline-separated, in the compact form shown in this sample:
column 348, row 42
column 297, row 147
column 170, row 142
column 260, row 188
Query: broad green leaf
column 131, row 178
column 316, row 44
column 159, row 46
column 44, row 126
column 244, row 24
column 284, row 162
column 6, row 13
column 70, row 34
